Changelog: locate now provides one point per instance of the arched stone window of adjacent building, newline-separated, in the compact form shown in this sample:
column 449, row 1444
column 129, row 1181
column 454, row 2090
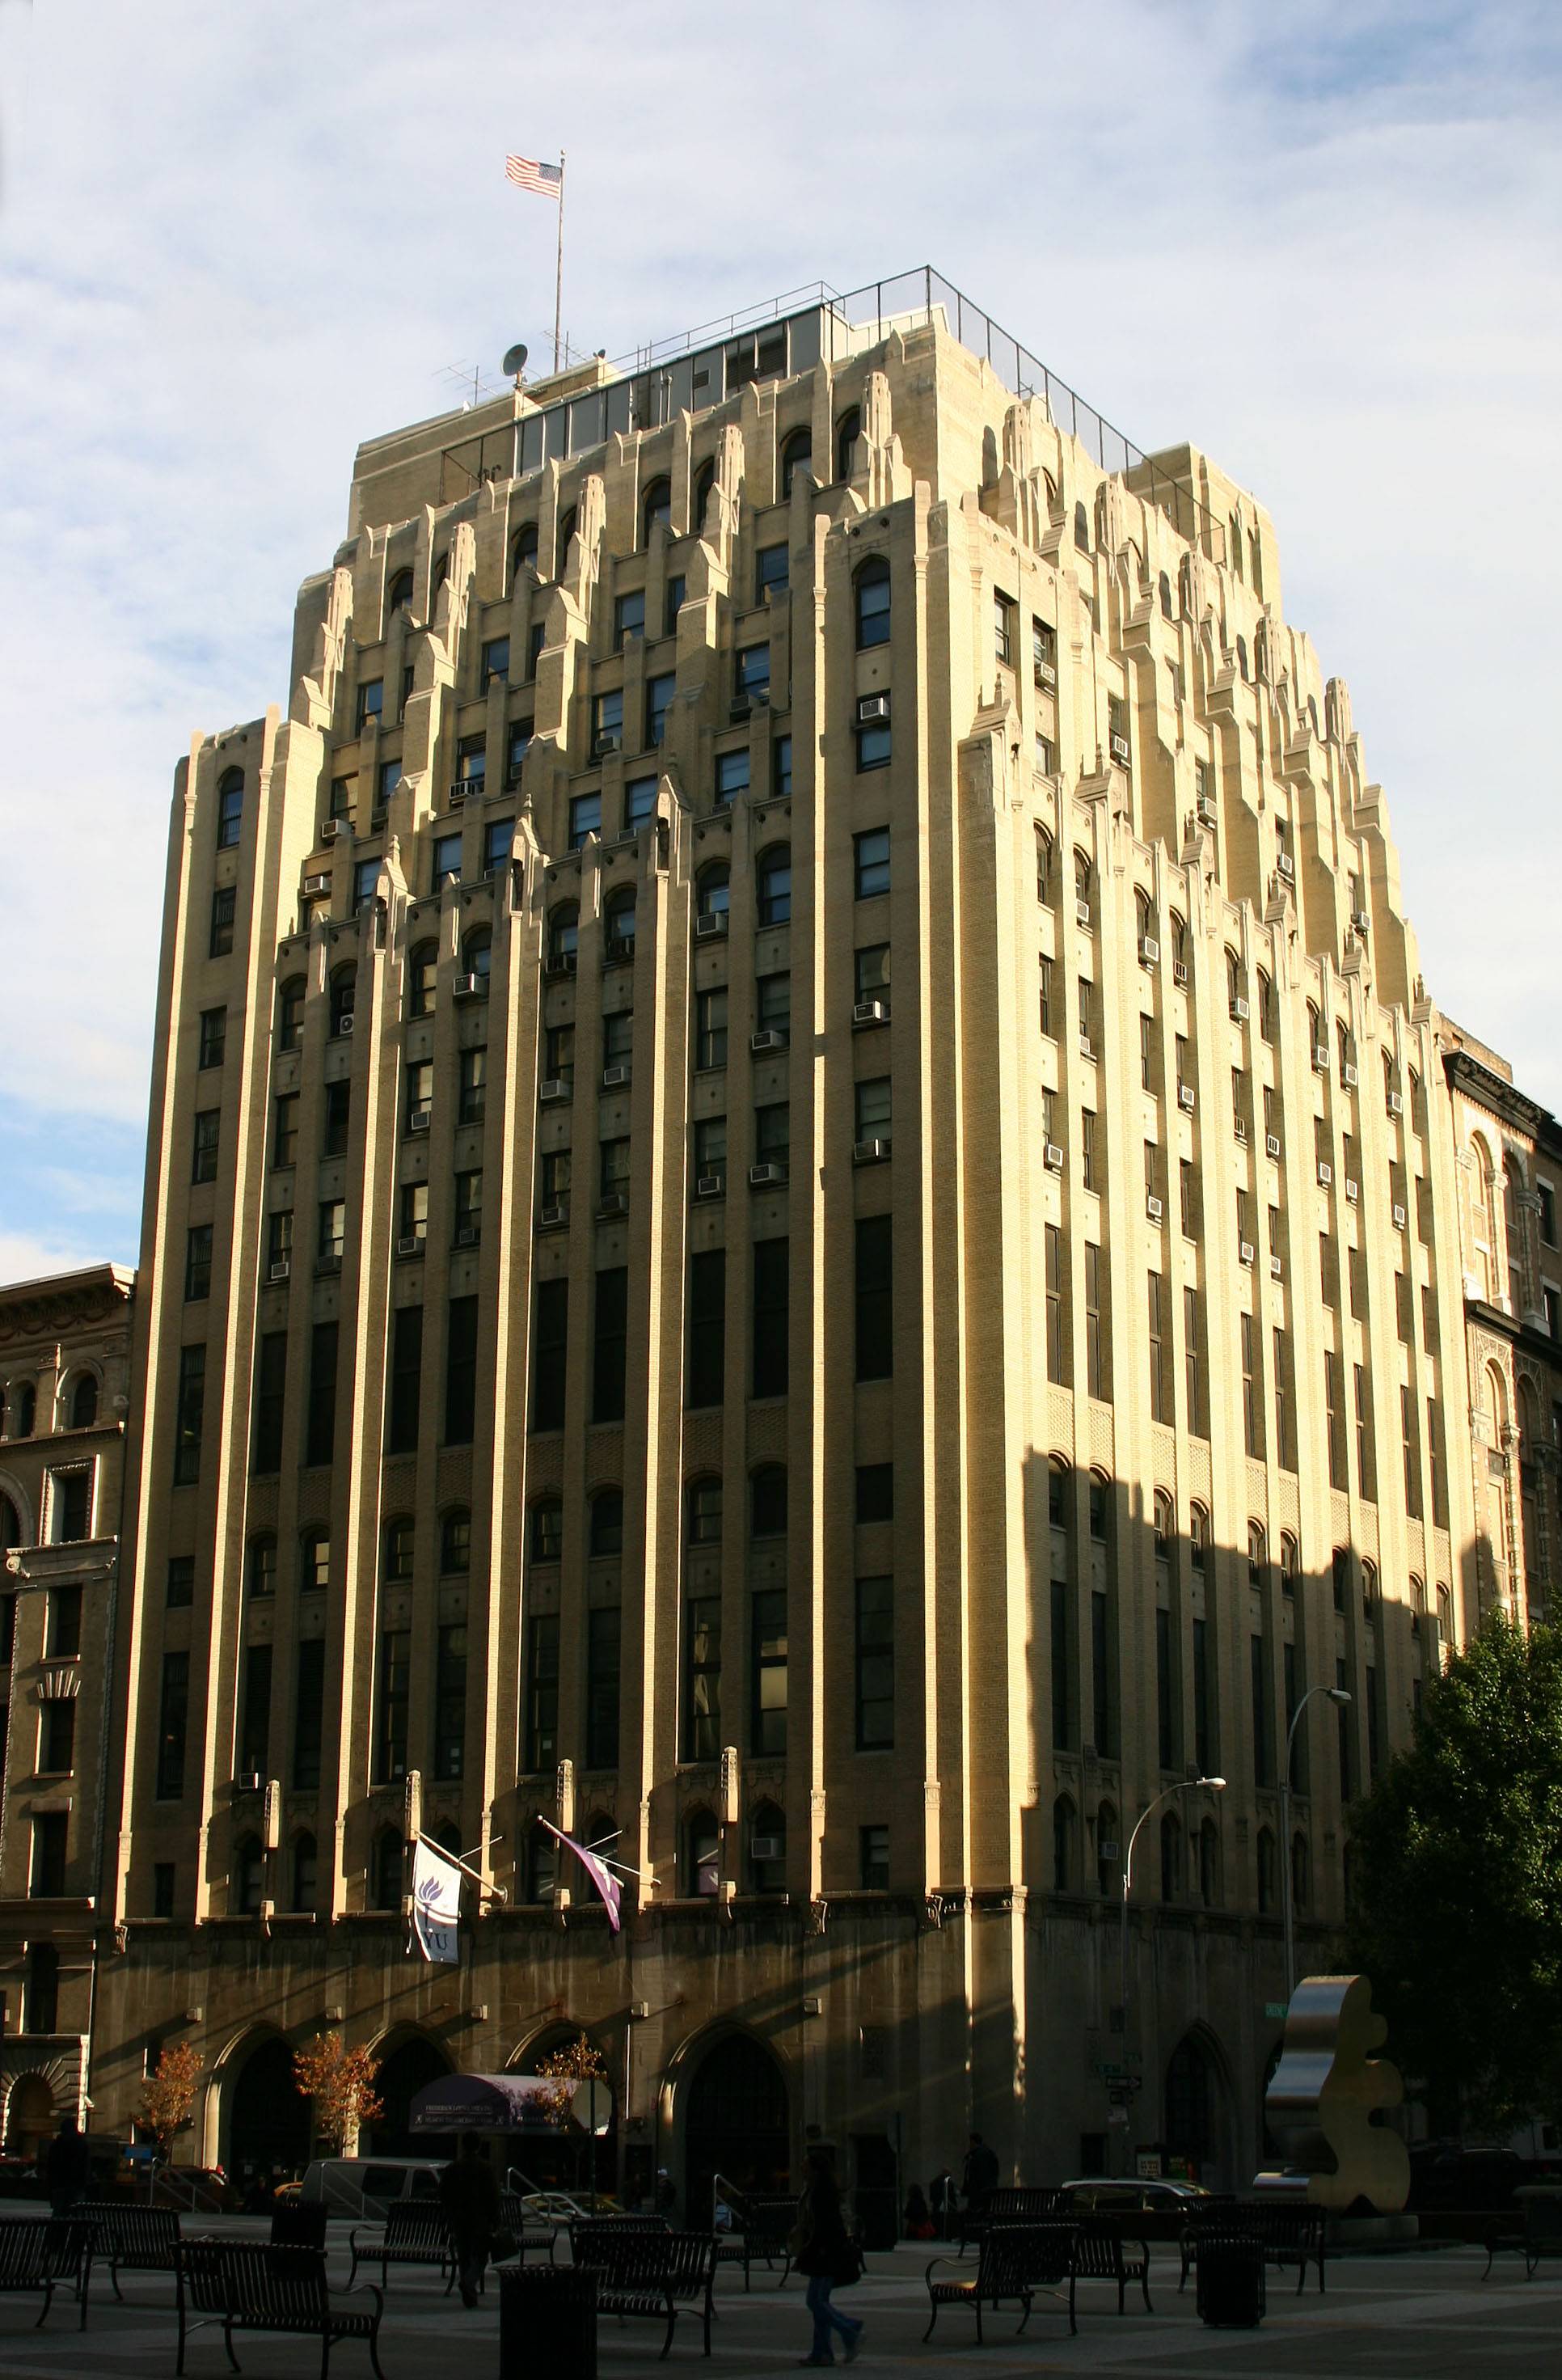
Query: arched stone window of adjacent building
column 563, row 937
column 796, row 454
column 1445, row 1626
column 1164, row 1528
column 713, row 892
column 523, row 553
column 1291, row 1562
column 1172, row 1857
column 1369, row 1590
column 656, row 509
column 702, row 1855
column 1082, row 527
column 1084, row 878
column 1064, row 1820
column 618, row 925
column 248, row 1876
column 84, row 1402
column 1257, row 1555
column 1166, row 611
column 477, row 958
column 767, row 1848
column 1265, row 1007
column 10, row 1530
column 230, row 808
column 870, row 595
column 1266, row 1871
column 398, row 595
column 847, row 431
column 1178, row 947
column 1529, row 1480
column 385, row 1878
column 1198, row 1538
column 541, row 1864
column 1043, row 863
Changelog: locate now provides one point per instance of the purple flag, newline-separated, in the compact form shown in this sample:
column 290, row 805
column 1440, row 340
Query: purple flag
column 596, row 1869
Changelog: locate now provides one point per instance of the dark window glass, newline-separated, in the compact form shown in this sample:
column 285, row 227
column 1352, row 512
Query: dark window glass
column 338, row 1111
column 875, row 1309
column 702, row 1677
column 213, row 1036
column 871, row 855
column 767, row 1653
column 407, row 1378
column 395, row 1701
column 180, row 1592
column 321, row 1432
column 706, row 1332
column 873, row 604
column 542, row 1691
column 461, row 1372
column 873, row 1858
column 225, row 907
column 50, row 1842
column 610, row 1343
column 551, row 1303
column 255, row 1708
column 63, row 1637
column 770, row 571
column 771, row 1286
column 198, row 1261
column 188, row 1415
column 767, row 1501
column 203, row 1155
column 450, row 1702
column 876, row 1491
column 271, row 1387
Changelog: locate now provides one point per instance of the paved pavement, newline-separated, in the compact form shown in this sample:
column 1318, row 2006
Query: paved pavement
column 1414, row 2316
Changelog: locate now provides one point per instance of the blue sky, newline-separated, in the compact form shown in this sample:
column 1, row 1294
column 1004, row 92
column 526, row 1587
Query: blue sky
column 1320, row 240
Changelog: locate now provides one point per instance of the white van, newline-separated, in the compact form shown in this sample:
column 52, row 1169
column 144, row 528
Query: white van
column 366, row 2187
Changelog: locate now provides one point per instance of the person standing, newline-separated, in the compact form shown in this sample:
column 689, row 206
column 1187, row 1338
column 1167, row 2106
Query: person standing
column 66, row 2163
column 470, row 2196
column 979, row 2179
column 825, row 2252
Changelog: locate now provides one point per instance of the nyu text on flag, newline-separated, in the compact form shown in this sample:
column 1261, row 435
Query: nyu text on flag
column 596, row 1869
column 436, row 1904
column 548, row 181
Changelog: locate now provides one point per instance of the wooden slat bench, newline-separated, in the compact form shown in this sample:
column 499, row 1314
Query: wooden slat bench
column 1018, row 2262
column 1288, row 2234
column 133, row 2238
column 415, row 2232
column 285, row 2289
column 1103, row 2251
column 43, row 2255
column 1540, row 2233
column 657, row 2275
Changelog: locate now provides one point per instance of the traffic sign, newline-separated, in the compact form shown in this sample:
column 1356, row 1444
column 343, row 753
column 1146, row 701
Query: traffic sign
column 1276, row 2008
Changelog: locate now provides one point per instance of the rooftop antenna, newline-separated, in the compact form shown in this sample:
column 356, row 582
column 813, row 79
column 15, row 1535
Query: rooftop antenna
column 515, row 362
column 461, row 373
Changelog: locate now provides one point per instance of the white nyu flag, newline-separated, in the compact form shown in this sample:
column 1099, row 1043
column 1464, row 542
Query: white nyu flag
column 436, row 1903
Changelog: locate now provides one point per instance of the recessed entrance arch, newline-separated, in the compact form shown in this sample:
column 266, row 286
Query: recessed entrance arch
column 738, row 2124
column 29, row 2115
column 269, row 2123
column 1195, row 2128
column 410, row 2065
column 571, row 2161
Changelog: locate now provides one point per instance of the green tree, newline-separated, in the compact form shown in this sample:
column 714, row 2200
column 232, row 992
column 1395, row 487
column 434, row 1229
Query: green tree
column 1457, row 1883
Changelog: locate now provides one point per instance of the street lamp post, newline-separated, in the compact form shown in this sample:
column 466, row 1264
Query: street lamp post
column 1186, row 1785
column 1338, row 1695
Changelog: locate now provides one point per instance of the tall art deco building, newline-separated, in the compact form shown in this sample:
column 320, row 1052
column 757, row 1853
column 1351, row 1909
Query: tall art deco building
column 802, row 1212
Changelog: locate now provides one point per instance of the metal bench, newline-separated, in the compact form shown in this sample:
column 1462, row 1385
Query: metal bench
column 42, row 2255
column 1288, row 2234
column 134, row 2239
column 1018, row 2262
column 415, row 2232
column 201, row 2292
column 525, row 2231
column 1009, row 2202
column 766, row 2225
column 658, row 2275
column 1103, row 2253
column 1541, row 2235
column 285, row 2289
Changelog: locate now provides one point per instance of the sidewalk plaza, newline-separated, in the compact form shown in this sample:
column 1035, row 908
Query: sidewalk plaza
column 1424, row 2313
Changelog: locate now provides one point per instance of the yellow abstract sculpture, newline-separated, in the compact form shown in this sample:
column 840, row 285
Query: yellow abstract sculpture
column 1323, row 2094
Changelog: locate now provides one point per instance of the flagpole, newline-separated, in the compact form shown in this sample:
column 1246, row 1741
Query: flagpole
column 496, row 1891
column 559, row 268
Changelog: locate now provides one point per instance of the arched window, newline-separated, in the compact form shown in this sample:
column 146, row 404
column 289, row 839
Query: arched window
column 848, row 430
column 476, row 959
column 702, row 1855
column 567, row 534
column 1265, row 1006
column 1300, row 1871
column 1209, row 1864
column 1198, row 1536
column 1108, row 1850
column 1233, row 979
column 1172, row 1857
column 248, row 1876
column 767, row 1848
column 314, row 1559
column 606, row 1522
column 796, row 454
column 1418, row 1606
column 1043, row 862
column 1143, row 916
column 422, row 973
column 1266, row 1871
column 656, row 509
column 84, row 1402
column 10, row 1524
column 1178, row 947
column 541, row 1864
column 1315, row 1031
column 547, row 1530
column 711, row 892
column 456, row 1540
column 1166, row 611
column 1340, row 1572
column 1100, row 1508
column 305, row 1880
column 343, row 993
column 386, row 1880
column 775, row 885
column 290, row 1013
column 1291, row 1562
column 1369, row 1589
column 618, row 924
column 1241, row 655
column 703, row 1509
column 1257, row 1554
column 1166, row 1525
column 1445, row 1626
column 1084, row 877
column 259, row 1564
column 1082, row 528
column 871, row 591
column 230, row 808
column 523, row 553
column 705, row 479
column 398, row 595
column 766, row 1501
column 1347, row 1047
column 1064, row 1878
column 563, row 937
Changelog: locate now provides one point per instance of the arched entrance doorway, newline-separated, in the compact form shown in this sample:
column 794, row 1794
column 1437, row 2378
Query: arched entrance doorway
column 571, row 2160
column 29, row 2116
column 269, row 2125
column 738, row 2125
column 1192, row 2109
column 410, row 2065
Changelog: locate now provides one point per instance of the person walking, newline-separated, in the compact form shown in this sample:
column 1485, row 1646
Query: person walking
column 470, row 2196
column 66, row 2163
column 827, row 2254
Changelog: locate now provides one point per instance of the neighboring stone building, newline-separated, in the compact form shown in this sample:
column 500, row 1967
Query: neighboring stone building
column 800, row 1209
column 65, row 1366
column 1509, row 1154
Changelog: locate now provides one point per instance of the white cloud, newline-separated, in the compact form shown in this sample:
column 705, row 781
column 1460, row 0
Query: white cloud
column 1319, row 239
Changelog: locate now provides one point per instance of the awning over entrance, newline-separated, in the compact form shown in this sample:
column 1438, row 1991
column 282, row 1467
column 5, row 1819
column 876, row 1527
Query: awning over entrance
column 498, row 2103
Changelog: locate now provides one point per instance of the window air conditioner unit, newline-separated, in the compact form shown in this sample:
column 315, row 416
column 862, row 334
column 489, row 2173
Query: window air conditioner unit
column 1359, row 921
column 1149, row 950
column 1082, row 914
column 330, row 829
column 741, row 705
column 279, row 1270
column 1046, row 677
column 1240, row 1012
column 1272, row 1143
column 713, row 923
column 1052, row 1158
column 769, row 1040
column 459, row 792
column 328, row 1260
column 249, row 1783
column 1179, row 975
column 869, row 1152
column 614, row 1077
column 766, row 1847
column 1239, row 1126
column 1399, row 1215
column 1274, row 1268
column 872, row 706
column 1351, row 1191
column 1154, row 1210
column 345, row 1024
column 1086, row 1048
column 1119, row 744
column 1206, row 812
column 467, row 986
column 1285, row 865
column 1396, row 1103
column 1326, row 1172
column 551, row 1217
column 563, row 962
column 418, row 1120
column 617, row 948
column 1185, row 1097
column 1244, row 1252
column 1348, row 1076
column 869, row 1012
column 609, row 740
column 409, row 1245
column 761, row 1177
column 314, row 886
column 710, row 1185
column 469, row 1235
column 550, row 1092
column 615, row 1203
column 1320, row 1058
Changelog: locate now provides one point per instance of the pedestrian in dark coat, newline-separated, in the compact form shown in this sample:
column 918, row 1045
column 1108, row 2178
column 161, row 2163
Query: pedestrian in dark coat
column 470, row 2196
column 824, row 2251
column 66, row 2163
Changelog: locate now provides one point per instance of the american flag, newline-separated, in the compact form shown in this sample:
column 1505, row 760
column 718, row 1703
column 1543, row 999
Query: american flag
column 548, row 181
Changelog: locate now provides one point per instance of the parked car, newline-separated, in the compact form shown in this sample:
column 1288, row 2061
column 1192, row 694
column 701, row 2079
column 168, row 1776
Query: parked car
column 367, row 2187
column 561, row 2209
column 1133, row 2196
column 1447, row 2174
column 194, row 2189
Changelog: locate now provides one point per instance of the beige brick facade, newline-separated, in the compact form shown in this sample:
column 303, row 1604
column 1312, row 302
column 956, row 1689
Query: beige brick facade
column 814, row 957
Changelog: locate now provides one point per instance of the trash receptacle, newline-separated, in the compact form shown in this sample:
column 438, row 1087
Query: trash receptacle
column 298, row 2223
column 547, row 2323
column 1231, row 2291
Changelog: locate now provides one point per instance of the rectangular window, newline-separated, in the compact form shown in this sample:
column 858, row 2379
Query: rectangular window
column 702, row 1677
column 639, row 804
column 1101, row 1677
column 610, row 1343
column 550, row 1301
column 871, row 861
column 1252, row 1389
column 450, row 1702
column 56, row 1739
column 255, row 1702
column 751, row 673
column 585, row 817
column 515, row 751
column 1404, row 1309
column 370, row 701
column 732, row 777
column 1097, row 1360
column 613, row 1168
column 1259, row 1711
column 414, row 1222
column 1004, row 614
column 331, row 1241
column 767, row 1653
column 628, row 617
column 1045, row 987
column 781, row 768
column 1084, row 1011
column 197, row 1262
column 472, row 1091
column 320, row 1436
column 179, row 1592
column 498, row 841
column 1285, row 1435
column 873, row 1859
column 1056, row 1342
column 876, row 1492
column 284, row 1133
column 225, row 908
column 395, row 1704
column 875, row 1312
column 1367, row 1463
column 873, row 1109
column 1198, row 1420
column 871, row 971
column 495, row 659
column 338, row 1110
column 1435, row 1471
column 771, row 1302
column 770, row 572
column 387, row 779
column 1166, row 1707
column 1062, row 1737
column 203, row 1155
column 1087, row 1149
column 1160, row 1403
column 658, row 698
column 188, row 1415
column 173, row 1725
column 603, row 1663
column 772, row 1004
column 407, row 1379
column 1407, row 1437
column 468, row 1205
column 213, row 1036
column 308, row 1715
column 64, row 1632
column 708, row 1327
column 50, row 1840
column 447, row 860
column 711, row 1028
column 461, row 1372
column 1203, row 1729
column 1547, row 1199
column 1335, row 1415
column 875, row 1664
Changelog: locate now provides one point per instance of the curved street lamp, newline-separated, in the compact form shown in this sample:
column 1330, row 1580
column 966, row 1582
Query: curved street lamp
column 1186, row 1785
column 1338, row 1695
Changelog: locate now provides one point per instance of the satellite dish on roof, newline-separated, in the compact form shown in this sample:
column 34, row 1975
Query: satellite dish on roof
column 515, row 361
